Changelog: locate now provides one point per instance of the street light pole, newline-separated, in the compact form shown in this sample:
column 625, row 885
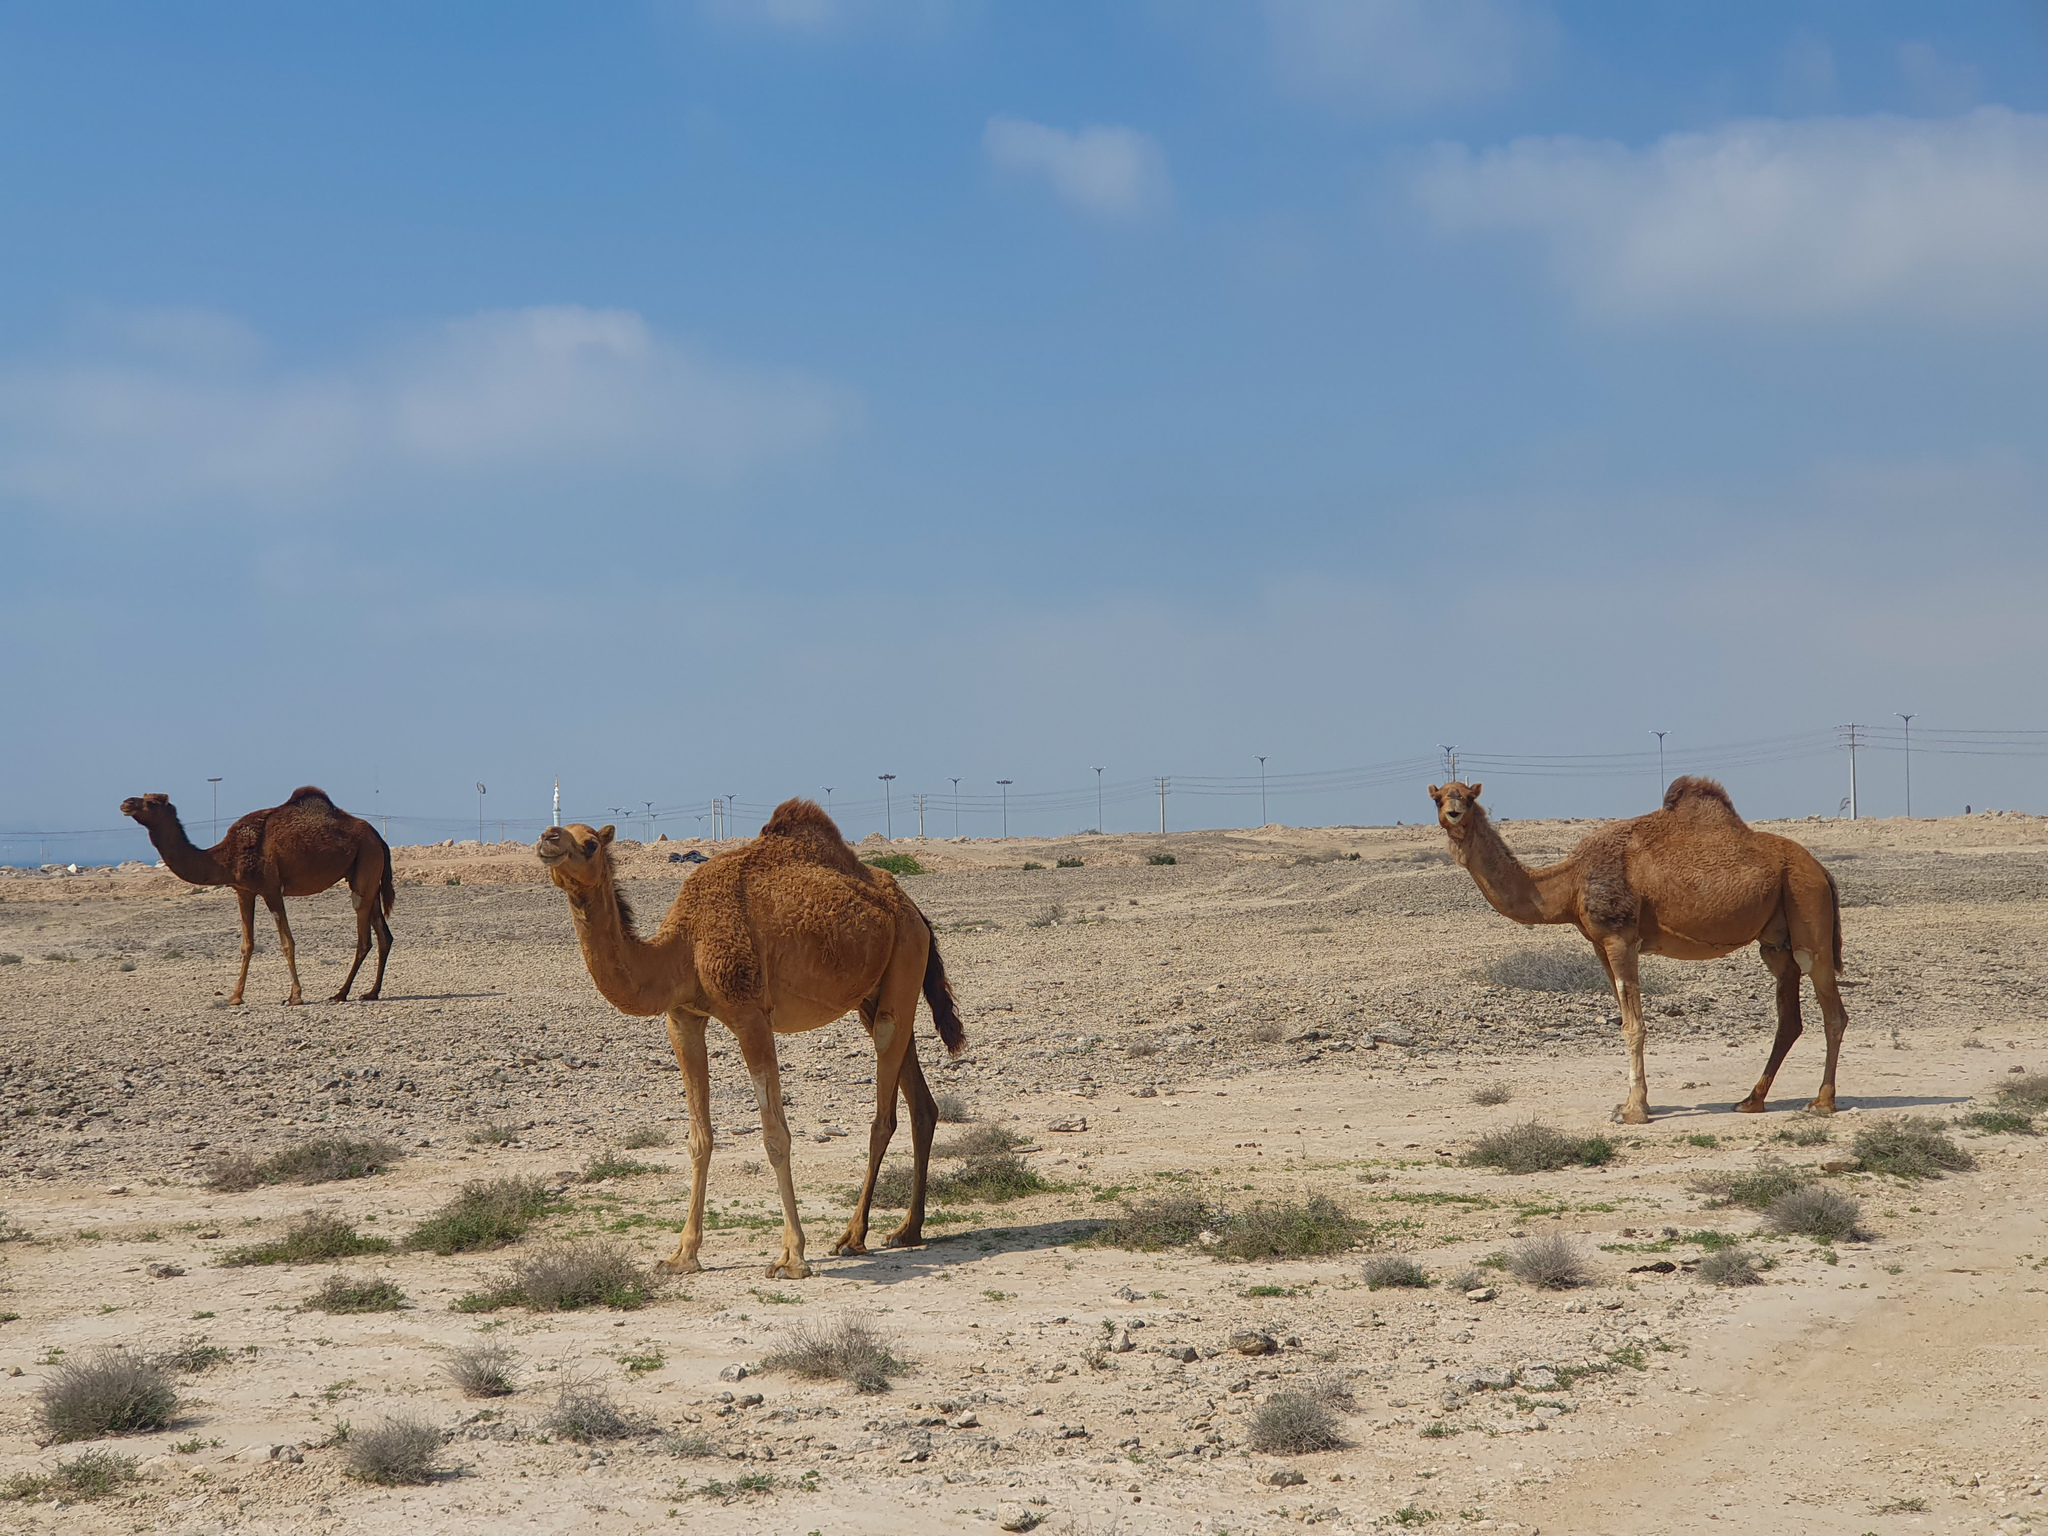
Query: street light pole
column 1262, row 791
column 1006, row 805
column 479, row 813
column 888, row 816
column 216, row 808
column 1909, row 763
column 956, row 807
column 1662, row 782
column 828, row 800
column 1098, row 802
column 650, row 819
column 1450, row 759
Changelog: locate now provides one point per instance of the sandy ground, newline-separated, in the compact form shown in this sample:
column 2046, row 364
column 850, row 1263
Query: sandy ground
column 1266, row 1018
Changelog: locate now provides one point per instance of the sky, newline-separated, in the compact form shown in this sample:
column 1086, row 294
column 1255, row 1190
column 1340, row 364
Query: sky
column 744, row 397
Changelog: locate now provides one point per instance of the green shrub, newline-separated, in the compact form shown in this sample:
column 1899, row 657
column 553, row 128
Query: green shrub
column 1162, row 858
column 314, row 1236
column 990, row 1178
column 1756, row 1188
column 1032, row 864
column 354, row 1293
column 1068, row 863
column 488, row 1213
column 609, row 1165
column 93, row 1475
column 2001, row 1121
column 1811, row 1135
column 1172, row 1221
column 1300, row 1229
column 1537, row 1148
column 1909, row 1148
column 895, row 863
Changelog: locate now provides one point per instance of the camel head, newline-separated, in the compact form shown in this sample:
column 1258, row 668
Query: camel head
column 575, row 856
column 1457, row 807
column 150, row 810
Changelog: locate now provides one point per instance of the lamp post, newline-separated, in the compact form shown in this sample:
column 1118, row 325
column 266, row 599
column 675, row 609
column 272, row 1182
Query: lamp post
column 1098, row 802
column 1006, row 805
column 1662, row 782
column 1450, row 759
column 650, row 819
column 828, row 799
column 956, row 807
column 888, row 815
column 216, row 808
column 1262, row 791
column 1909, row 763
column 479, row 813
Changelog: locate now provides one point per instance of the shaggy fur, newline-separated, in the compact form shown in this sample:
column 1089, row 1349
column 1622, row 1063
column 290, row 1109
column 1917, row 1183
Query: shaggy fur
column 1692, row 881
column 782, row 934
column 299, row 848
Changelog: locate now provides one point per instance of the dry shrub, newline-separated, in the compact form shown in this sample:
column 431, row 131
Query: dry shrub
column 1490, row 1094
column 487, row 1368
column 1268, row 1033
column 2001, row 1121
column 1394, row 1270
column 609, row 1165
column 320, row 1161
column 1756, row 1188
column 1300, row 1229
column 1552, row 1262
column 1729, row 1267
column 645, row 1136
column 1911, row 1147
column 496, row 1133
column 2028, row 1090
column 584, row 1411
column 953, row 1109
column 1533, row 1147
column 109, row 1392
column 990, row 1179
column 314, row 1236
column 1818, row 1212
column 690, row 1445
column 591, row 1273
column 1171, row 1221
column 1292, row 1423
column 982, row 1141
column 892, row 1187
column 93, row 1475
column 400, row 1450
column 851, row 1349
column 1470, row 1280
column 354, row 1293
column 1551, row 968
column 488, row 1213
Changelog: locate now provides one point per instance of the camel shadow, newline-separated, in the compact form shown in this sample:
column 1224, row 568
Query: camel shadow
column 439, row 997
column 886, row 1266
column 1792, row 1105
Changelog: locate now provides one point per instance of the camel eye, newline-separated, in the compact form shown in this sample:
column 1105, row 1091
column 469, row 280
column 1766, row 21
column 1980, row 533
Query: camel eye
column 590, row 847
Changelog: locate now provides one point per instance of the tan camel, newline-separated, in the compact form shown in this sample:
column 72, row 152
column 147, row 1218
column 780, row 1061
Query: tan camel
column 784, row 934
column 1691, row 881
column 299, row 848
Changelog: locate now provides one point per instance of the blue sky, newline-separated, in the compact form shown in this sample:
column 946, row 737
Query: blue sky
column 732, row 397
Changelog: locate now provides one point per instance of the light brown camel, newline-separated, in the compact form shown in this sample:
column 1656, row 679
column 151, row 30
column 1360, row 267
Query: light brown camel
column 781, row 935
column 1691, row 881
column 299, row 848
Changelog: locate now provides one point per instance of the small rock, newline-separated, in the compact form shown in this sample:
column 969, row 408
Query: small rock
column 1286, row 1477
column 158, row 1468
column 1185, row 1353
column 749, row 1400
column 1251, row 1342
column 1125, row 1293
column 1012, row 1516
column 1840, row 1166
column 734, row 1373
column 967, row 1420
column 162, row 1271
column 1147, row 1092
column 1068, row 1123
column 1538, row 1378
column 1484, row 1293
column 1546, row 1413
column 116, row 1189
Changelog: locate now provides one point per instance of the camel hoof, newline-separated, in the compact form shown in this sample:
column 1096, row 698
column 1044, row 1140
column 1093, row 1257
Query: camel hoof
column 850, row 1247
column 339, row 997
column 1628, row 1114
column 1822, row 1106
column 1750, row 1106
column 678, row 1267
column 789, row 1269
column 904, row 1240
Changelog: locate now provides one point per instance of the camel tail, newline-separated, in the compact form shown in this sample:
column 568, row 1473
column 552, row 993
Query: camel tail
column 388, row 893
column 938, row 992
column 1835, row 896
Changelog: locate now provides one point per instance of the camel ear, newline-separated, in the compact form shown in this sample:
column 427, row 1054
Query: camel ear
column 1436, row 793
column 604, row 834
column 1475, row 791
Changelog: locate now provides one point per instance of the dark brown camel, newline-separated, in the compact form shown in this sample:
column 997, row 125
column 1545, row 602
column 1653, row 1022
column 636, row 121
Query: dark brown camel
column 1691, row 880
column 299, row 848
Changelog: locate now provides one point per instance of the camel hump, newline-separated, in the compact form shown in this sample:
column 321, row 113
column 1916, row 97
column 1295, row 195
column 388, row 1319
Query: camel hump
column 309, row 792
column 1695, row 795
column 805, row 822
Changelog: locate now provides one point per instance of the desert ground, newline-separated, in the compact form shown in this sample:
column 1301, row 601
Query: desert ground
column 1279, row 1014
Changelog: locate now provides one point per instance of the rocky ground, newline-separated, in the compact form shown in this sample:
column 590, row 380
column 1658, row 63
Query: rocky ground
column 1278, row 1014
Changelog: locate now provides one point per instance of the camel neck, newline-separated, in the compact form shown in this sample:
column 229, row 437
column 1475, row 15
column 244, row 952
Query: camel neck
column 635, row 976
column 193, row 865
column 1509, row 886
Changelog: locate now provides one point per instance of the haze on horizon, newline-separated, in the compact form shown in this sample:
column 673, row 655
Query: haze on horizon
column 748, row 396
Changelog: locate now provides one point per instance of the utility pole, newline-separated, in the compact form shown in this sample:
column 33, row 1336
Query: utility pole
column 1098, row 802
column 828, row 800
column 1006, row 805
column 1909, row 763
column 216, row 808
column 920, row 816
column 1262, row 791
column 956, row 807
column 1662, row 782
column 713, row 813
column 730, row 802
column 1163, row 782
column 1450, row 760
column 888, row 815
column 1852, row 771
column 650, row 819
column 558, row 800
column 479, row 813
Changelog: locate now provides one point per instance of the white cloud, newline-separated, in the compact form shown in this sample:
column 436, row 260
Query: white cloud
column 1830, row 216
column 1404, row 55
column 1106, row 170
column 163, row 409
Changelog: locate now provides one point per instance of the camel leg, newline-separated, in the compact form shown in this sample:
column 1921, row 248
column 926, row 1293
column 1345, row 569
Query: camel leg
column 1620, row 953
column 1790, row 1028
column 383, row 950
column 284, row 942
column 924, row 1120
column 1836, row 1019
column 881, row 1129
column 686, row 1035
column 247, row 902
column 757, row 1045
column 365, row 905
